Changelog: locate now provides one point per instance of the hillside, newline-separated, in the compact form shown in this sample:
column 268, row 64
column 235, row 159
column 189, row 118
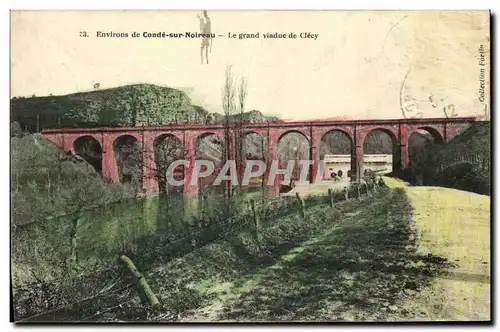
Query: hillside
column 46, row 182
column 130, row 105
column 464, row 163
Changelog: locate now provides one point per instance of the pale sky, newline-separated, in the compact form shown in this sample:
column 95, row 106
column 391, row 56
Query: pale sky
column 354, row 68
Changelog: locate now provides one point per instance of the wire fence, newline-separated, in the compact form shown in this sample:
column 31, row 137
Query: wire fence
column 222, row 228
column 153, row 247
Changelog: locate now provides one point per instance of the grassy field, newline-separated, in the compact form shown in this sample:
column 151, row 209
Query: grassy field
column 417, row 254
column 360, row 269
column 405, row 254
column 455, row 225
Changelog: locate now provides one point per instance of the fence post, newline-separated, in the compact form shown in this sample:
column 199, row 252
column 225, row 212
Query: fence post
column 381, row 181
column 330, row 196
column 153, row 300
column 256, row 220
column 346, row 193
column 302, row 206
column 201, row 205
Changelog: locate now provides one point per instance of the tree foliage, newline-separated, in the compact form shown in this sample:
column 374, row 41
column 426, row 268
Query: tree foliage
column 464, row 163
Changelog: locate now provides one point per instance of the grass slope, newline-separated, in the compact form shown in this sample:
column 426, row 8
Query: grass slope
column 49, row 189
column 464, row 163
column 418, row 254
column 187, row 284
column 410, row 254
column 361, row 269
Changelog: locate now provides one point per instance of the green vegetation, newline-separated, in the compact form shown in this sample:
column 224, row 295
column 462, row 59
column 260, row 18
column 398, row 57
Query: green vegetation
column 464, row 163
column 180, row 283
column 46, row 182
column 361, row 263
column 73, row 220
column 365, row 260
column 77, row 225
column 51, row 195
column 359, row 270
column 217, row 258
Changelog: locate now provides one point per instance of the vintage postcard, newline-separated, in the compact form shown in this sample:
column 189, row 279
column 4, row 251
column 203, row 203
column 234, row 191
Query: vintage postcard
column 250, row 166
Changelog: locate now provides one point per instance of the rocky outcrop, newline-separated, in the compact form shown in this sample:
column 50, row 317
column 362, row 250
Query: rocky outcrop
column 130, row 105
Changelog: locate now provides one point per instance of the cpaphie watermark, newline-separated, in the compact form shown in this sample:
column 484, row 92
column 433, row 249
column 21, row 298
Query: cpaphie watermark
column 253, row 169
column 482, row 73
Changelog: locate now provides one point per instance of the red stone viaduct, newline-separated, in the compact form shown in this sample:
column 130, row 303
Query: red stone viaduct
column 443, row 129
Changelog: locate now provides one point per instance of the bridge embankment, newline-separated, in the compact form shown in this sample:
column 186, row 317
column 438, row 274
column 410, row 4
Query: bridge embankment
column 463, row 163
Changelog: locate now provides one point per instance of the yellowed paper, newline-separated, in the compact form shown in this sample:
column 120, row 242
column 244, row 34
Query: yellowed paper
column 250, row 166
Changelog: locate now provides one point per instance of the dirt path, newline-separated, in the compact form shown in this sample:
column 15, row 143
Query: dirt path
column 229, row 293
column 364, row 268
column 454, row 224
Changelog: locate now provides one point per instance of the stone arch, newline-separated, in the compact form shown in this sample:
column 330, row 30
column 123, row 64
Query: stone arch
column 260, row 142
column 175, row 134
column 196, row 137
column 259, row 131
column 435, row 132
column 293, row 145
column 340, row 146
column 345, row 132
column 90, row 149
column 168, row 148
column 285, row 132
column 128, row 154
column 420, row 144
column 385, row 130
column 210, row 146
column 364, row 130
column 381, row 150
column 254, row 146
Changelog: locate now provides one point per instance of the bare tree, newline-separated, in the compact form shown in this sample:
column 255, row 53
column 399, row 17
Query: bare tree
column 129, row 159
column 137, row 163
column 166, row 151
column 228, row 105
column 378, row 142
column 242, row 94
column 335, row 142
